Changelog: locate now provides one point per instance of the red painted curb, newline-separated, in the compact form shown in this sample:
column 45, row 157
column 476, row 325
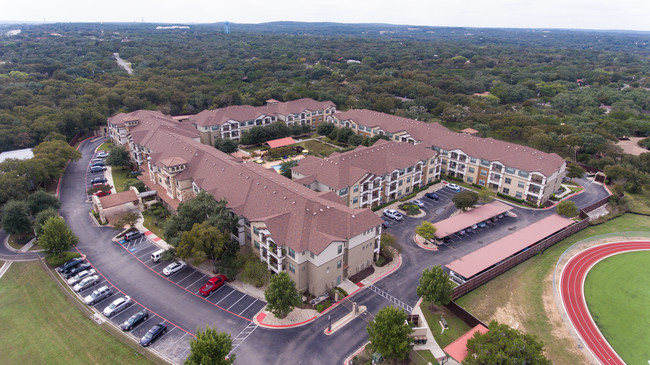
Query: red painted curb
column 424, row 247
column 286, row 325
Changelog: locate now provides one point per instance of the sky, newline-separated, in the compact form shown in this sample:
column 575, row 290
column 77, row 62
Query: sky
column 575, row 14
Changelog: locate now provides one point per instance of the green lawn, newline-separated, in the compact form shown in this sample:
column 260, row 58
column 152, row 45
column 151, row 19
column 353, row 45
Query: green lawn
column 639, row 203
column 456, row 327
column 617, row 291
column 422, row 357
column 40, row 325
column 520, row 291
column 18, row 241
column 119, row 178
column 106, row 146
column 148, row 222
column 317, row 148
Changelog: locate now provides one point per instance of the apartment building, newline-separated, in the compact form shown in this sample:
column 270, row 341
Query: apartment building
column 369, row 176
column 519, row 171
column 313, row 236
column 232, row 121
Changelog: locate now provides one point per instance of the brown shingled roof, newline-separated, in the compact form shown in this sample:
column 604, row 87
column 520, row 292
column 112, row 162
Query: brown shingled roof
column 341, row 170
column 114, row 200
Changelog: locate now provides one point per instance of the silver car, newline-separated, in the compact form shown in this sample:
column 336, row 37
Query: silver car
column 86, row 283
column 174, row 267
column 98, row 295
column 117, row 306
column 75, row 279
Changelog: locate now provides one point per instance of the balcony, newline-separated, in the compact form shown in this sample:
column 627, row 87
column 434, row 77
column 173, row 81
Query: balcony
column 534, row 190
column 537, row 179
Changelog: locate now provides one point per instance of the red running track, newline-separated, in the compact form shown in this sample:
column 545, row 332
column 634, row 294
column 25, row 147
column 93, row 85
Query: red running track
column 572, row 292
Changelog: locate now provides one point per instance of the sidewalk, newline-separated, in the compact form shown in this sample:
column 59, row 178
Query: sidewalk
column 431, row 344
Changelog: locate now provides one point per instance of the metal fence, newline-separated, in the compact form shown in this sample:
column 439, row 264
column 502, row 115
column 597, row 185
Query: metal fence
column 464, row 315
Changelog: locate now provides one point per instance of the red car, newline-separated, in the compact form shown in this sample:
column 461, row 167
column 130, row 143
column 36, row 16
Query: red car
column 103, row 193
column 213, row 284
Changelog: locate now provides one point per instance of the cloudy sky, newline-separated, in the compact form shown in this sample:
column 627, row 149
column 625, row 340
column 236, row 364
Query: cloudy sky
column 584, row 14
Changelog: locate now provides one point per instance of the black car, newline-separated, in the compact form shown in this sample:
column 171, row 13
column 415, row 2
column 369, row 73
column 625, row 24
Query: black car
column 99, row 180
column 433, row 196
column 77, row 269
column 71, row 264
column 134, row 320
column 98, row 164
column 386, row 223
column 153, row 333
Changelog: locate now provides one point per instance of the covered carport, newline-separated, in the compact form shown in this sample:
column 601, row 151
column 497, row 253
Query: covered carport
column 484, row 258
column 111, row 207
column 464, row 220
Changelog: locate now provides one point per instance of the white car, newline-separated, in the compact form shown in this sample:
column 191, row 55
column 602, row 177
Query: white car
column 75, row 279
column 174, row 267
column 101, row 154
column 393, row 214
column 98, row 295
column 117, row 306
column 417, row 202
column 86, row 283
column 453, row 187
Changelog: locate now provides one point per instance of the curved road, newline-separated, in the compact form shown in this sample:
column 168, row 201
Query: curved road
column 572, row 294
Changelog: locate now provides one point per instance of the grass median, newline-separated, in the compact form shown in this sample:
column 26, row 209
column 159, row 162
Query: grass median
column 40, row 325
column 523, row 298
column 616, row 290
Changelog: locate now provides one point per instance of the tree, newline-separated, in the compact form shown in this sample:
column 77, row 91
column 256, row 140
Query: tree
column 42, row 217
column 118, row 156
column 389, row 333
column 135, row 183
column 465, row 199
column 56, row 236
column 202, row 242
column 210, row 347
column 574, row 171
column 435, row 286
column 282, row 295
column 40, row 200
column 285, row 168
column 190, row 212
column 226, row 145
column 504, row 345
column 426, row 230
column 128, row 219
column 567, row 208
column 15, row 217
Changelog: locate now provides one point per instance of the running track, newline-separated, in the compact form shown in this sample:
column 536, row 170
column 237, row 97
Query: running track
column 572, row 292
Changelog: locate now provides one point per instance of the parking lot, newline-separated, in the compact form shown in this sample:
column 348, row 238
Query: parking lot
column 225, row 298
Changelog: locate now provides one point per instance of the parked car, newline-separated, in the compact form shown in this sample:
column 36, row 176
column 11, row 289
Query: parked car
column 417, row 202
column 393, row 214
column 94, row 169
column 102, row 193
column 75, row 279
column 97, row 160
column 432, row 196
column 386, row 223
column 151, row 335
column 453, row 187
column 213, row 284
column 86, row 283
column 99, row 163
column 102, row 154
column 462, row 232
column 99, row 185
column 133, row 235
column 135, row 173
column 77, row 269
column 174, row 267
column 481, row 224
column 98, row 295
column 99, row 180
column 134, row 320
column 117, row 306
column 70, row 264
column 500, row 216
column 474, row 226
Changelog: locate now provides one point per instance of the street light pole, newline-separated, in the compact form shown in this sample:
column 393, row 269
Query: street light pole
column 329, row 319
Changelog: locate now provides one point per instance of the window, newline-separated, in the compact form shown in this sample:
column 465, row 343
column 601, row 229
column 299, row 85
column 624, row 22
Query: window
column 431, row 170
column 343, row 192
column 338, row 264
column 311, row 254
column 481, row 182
column 340, row 249
column 356, row 188
column 355, row 200
column 470, row 179
column 510, row 170
column 521, row 184
column 410, row 169
column 471, row 170
column 292, row 268
column 508, row 180
column 256, row 231
column 485, row 162
column 483, row 173
column 523, row 174
column 408, row 180
column 519, row 195
column 292, row 253
column 256, row 244
column 506, row 190
column 472, row 159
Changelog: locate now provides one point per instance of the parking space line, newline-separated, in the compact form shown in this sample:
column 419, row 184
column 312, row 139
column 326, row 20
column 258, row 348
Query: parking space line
column 250, row 305
column 180, row 338
column 233, row 304
column 227, row 295
column 145, row 254
column 169, row 276
column 143, row 322
column 219, row 288
column 168, row 332
column 156, row 265
column 196, row 281
column 188, row 275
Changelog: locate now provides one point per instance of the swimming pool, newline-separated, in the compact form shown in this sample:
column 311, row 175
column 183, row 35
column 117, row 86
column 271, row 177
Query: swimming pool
column 277, row 168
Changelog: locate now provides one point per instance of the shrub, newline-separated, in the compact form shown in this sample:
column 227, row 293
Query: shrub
column 453, row 178
column 478, row 186
column 502, row 195
column 168, row 255
column 381, row 261
column 410, row 208
column 320, row 307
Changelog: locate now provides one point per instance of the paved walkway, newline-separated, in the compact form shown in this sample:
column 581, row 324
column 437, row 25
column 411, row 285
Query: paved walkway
column 431, row 344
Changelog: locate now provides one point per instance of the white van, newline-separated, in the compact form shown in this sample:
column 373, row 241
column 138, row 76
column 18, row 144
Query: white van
column 155, row 257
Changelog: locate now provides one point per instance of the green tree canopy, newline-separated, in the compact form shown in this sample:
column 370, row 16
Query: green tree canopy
column 389, row 333
column 435, row 286
column 285, row 168
column 119, row 156
column 226, row 145
column 465, row 199
column 504, row 345
column 56, row 236
column 574, row 171
column 42, row 217
column 202, row 242
column 15, row 217
column 210, row 347
column 426, row 230
column 282, row 295
column 567, row 208
column 41, row 200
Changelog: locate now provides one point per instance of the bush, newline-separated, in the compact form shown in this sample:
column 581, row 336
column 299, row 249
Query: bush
column 168, row 255
column 504, row 196
column 410, row 208
column 449, row 177
column 381, row 261
column 478, row 186
column 320, row 307
column 342, row 292
column 254, row 271
column 60, row 259
column 408, row 197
